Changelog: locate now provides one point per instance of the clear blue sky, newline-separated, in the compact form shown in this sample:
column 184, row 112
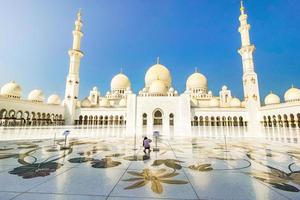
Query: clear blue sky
column 36, row 35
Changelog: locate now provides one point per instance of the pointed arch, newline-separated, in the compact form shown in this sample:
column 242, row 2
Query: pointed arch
column 144, row 117
column 292, row 120
column 157, row 117
column 171, row 119
column 201, row 123
column 195, row 121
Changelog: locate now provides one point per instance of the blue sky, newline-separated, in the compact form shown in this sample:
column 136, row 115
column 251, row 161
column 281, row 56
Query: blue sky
column 36, row 35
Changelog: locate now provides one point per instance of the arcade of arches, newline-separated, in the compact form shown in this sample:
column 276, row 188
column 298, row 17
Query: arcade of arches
column 218, row 121
column 285, row 120
column 26, row 118
column 101, row 120
column 20, row 118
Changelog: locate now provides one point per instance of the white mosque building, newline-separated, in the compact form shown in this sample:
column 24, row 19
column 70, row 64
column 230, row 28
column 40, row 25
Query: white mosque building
column 158, row 104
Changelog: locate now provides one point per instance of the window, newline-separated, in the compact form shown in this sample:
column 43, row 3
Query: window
column 144, row 119
column 157, row 118
column 171, row 119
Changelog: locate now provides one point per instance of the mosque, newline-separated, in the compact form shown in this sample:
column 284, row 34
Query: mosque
column 158, row 104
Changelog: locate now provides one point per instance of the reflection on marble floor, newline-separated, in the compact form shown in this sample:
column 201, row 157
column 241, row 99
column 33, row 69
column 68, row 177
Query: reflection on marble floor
column 109, row 168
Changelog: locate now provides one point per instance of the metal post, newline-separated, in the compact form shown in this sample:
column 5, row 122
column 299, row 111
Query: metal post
column 65, row 140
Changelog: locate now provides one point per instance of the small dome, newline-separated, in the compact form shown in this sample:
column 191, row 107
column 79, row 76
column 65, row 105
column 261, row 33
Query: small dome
column 272, row 99
column 214, row 102
column 120, row 82
column 157, row 87
column 95, row 88
column 196, row 81
column 292, row 94
column 123, row 103
column 36, row 96
column 54, row 99
column 235, row 102
column 224, row 87
column 86, row 103
column 104, row 102
column 11, row 89
column 160, row 72
column 171, row 89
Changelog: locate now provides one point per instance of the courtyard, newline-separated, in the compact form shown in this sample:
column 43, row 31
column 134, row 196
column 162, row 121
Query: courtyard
column 115, row 167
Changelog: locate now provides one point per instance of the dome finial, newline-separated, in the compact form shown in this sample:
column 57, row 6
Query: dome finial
column 271, row 92
column 121, row 70
column 79, row 15
column 242, row 8
column 196, row 69
column 157, row 60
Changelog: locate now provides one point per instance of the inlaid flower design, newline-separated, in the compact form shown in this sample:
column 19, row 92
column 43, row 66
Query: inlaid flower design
column 276, row 177
column 137, row 157
column 279, row 179
column 33, row 169
column 115, row 155
column 201, row 167
column 155, row 177
column 36, row 169
column 80, row 160
column 171, row 163
column 105, row 163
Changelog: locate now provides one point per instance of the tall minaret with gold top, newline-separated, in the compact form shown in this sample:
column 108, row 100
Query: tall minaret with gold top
column 250, row 82
column 72, row 82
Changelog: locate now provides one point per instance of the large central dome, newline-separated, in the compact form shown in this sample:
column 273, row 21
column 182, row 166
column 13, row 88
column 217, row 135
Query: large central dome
column 156, row 72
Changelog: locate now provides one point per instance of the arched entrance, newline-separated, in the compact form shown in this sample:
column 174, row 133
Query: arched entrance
column 157, row 118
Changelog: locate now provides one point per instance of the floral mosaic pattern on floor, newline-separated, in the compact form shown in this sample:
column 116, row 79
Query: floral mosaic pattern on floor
column 193, row 168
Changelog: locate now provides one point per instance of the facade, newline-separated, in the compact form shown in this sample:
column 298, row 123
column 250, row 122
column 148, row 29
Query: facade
column 158, row 104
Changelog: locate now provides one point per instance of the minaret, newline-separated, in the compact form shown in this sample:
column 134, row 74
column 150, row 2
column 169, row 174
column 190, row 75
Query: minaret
column 250, row 82
column 72, row 82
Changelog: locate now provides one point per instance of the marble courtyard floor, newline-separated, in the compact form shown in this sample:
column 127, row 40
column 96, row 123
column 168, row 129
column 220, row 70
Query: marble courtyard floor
column 191, row 168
